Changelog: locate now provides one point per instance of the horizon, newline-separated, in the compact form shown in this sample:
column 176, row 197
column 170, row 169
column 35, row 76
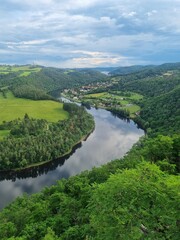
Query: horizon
column 89, row 34
column 153, row 65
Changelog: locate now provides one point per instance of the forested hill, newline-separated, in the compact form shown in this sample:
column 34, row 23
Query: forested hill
column 47, row 79
column 51, row 79
column 160, row 107
column 151, row 69
column 128, row 70
column 162, row 113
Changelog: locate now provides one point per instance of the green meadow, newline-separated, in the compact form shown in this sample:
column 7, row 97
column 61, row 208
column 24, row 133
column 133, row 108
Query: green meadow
column 13, row 108
column 132, row 109
column 25, row 74
column 116, row 95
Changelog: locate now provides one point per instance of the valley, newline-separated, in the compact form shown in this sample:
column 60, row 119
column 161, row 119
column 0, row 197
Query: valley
column 134, row 196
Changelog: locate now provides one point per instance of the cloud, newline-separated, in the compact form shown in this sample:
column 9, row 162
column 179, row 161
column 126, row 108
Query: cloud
column 127, row 31
column 93, row 59
column 151, row 13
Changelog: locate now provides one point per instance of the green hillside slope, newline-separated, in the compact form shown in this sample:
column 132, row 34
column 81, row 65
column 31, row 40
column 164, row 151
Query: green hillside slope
column 163, row 112
column 49, row 79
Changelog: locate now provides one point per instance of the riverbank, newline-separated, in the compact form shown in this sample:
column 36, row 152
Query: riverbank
column 125, row 102
column 121, row 113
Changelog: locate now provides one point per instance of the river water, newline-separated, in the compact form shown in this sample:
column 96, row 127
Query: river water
column 111, row 139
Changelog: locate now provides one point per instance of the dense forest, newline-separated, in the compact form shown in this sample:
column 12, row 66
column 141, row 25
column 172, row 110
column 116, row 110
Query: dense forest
column 136, row 197
column 30, row 92
column 51, row 79
column 160, row 106
column 46, row 141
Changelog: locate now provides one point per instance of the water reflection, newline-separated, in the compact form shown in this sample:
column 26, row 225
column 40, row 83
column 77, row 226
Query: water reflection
column 37, row 170
column 111, row 139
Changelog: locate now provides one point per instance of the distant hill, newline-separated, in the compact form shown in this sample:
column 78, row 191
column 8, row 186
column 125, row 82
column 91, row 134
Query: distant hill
column 139, row 68
column 130, row 69
column 150, row 83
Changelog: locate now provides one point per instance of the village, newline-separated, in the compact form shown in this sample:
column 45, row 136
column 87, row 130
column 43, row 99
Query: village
column 97, row 95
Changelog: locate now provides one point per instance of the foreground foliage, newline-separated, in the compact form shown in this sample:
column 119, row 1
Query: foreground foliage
column 129, row 198
column 137, row 203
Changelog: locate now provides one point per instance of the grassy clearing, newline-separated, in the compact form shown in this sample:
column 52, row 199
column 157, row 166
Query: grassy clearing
column 136, row 96
column 13, row 108
column 132, row 109
column 69, row 71
column 115, row 95
column 25, row 74
column 96, row 95
column 124, row 102
column 4, row 72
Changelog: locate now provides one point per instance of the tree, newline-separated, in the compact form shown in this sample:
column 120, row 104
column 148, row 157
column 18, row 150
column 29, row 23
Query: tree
column 136, row 204
column 50, row 235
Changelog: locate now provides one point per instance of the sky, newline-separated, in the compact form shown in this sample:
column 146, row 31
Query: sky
column 89, row 33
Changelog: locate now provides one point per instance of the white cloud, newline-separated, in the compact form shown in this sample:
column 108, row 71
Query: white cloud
column 151, row 13
column 34, row 42
column 32, row 2
column 47, row 28
column 129, row 14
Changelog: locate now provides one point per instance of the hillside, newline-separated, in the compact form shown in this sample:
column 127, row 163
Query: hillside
column 148, row 85
column 46, row 78
column 161, row 90
column 128, row 70
column 163, row 112
column 151, row 69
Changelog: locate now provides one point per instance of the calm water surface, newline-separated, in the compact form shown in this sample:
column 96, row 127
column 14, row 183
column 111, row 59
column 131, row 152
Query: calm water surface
column 111, row 139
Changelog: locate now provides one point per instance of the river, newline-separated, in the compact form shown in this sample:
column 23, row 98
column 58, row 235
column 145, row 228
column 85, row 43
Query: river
column 111, row 139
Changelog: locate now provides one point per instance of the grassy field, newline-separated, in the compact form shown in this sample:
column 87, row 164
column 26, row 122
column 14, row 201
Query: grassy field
column 132, row 109
column 116, row 95
column 25, row 74
column 13, row 108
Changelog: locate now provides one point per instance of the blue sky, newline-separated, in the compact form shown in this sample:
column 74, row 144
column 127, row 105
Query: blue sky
column 89, row 33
